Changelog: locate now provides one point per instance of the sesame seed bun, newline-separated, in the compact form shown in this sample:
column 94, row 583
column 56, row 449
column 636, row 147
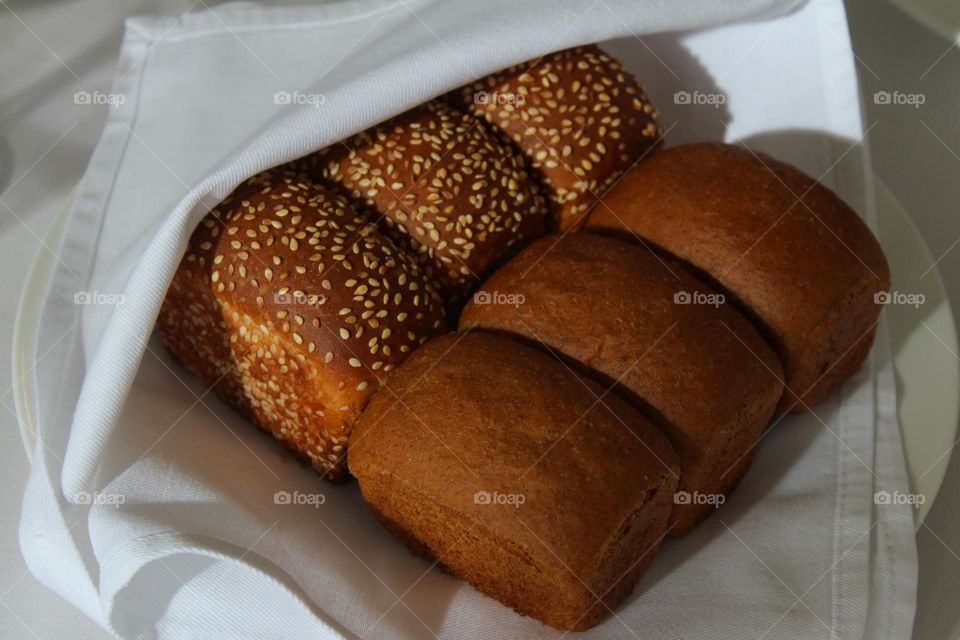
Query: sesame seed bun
column 442, row 187
column 577, row 115
column 295, row 309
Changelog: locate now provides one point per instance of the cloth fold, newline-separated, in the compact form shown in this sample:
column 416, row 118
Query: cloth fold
column 154, row 508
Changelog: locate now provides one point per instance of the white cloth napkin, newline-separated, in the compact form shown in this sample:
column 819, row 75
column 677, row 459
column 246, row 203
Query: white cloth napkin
column 153, row 508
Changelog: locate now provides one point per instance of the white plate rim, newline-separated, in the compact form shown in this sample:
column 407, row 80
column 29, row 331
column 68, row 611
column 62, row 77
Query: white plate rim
column 26, row 322
column 922, row 368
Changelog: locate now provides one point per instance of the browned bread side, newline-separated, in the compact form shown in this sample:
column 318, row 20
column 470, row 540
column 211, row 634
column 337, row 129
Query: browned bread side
column 578, row 116
column 442, row 187
column 787, row 248
column 658, row 336
column 295, row 308
column 497, row 461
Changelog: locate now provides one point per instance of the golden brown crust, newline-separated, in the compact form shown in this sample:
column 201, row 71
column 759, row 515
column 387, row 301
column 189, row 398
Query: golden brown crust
column 788, row 249
column 656, row 334
column 577, row 115
column 480, row 443
column 297, row 308
column 442, row 187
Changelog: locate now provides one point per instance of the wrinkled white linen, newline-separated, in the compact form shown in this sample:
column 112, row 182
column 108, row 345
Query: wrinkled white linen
column 151, row 506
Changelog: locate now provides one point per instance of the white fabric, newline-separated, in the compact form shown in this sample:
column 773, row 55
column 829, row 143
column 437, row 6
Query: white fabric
column 199, row 548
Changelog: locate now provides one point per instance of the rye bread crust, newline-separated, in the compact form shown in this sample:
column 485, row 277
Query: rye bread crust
column 496, row 460
column 785, row 248
column 659, row 336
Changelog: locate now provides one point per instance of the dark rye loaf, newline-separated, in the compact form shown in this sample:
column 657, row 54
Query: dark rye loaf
column 787, row 249
column 496, row 460
column 695, row 365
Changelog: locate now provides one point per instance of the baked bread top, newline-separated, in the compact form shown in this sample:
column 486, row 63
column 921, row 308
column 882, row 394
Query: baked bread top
column 291, row 252
column 474, row 413
column 655, row 334
column 780, row 244
column 442, row 187
column 295, row 308
column 577, row 115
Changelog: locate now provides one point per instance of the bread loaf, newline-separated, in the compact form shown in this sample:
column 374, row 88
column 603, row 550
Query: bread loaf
column 294, row 308
column 658, row 336
column 577, row 115
column 496, row 460
column 786, row 248
column 442, row 187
